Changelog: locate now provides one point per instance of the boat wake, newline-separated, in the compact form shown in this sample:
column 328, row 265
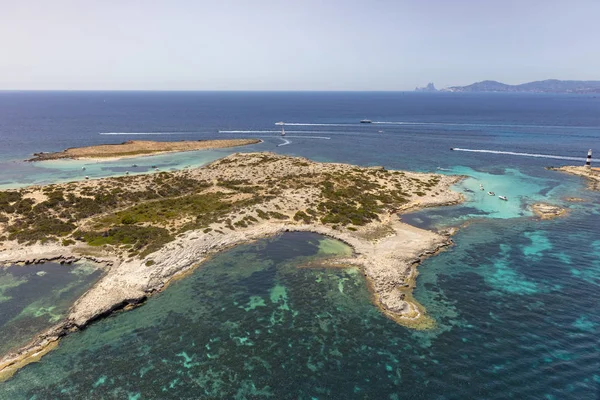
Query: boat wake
column 249, row 131
column 276, row 131
column 512, row 153
column 310, row 137
column 285, row 143
column 145, row 133
column 309, row 124
column 481, row 125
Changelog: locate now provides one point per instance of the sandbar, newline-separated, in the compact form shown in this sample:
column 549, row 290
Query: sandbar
column 137, row 148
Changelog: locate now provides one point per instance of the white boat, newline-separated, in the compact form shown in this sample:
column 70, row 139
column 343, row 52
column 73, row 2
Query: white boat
column 491, row 193
column 503, row 198
column 481, row 187
column 282, row 131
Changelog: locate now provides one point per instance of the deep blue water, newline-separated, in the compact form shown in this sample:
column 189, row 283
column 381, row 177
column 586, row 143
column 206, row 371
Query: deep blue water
column 516, row 299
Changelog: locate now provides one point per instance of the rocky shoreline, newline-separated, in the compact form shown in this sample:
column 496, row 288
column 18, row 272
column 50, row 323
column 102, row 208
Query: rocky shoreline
column 389, row 264
column 591, row 174
column 387, row 250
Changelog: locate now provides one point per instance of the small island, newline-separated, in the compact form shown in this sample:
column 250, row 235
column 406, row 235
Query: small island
column 547, row 211
column 136, row 148
column 149, row 229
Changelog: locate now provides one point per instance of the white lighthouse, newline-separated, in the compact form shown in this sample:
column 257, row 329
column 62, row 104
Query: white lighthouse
column 588, row 161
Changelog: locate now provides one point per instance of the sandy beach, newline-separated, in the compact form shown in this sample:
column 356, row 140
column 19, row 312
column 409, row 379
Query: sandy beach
column 136, row 148
column 258, row 195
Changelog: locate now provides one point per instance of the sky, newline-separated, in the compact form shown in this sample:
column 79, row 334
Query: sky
column 293, row 45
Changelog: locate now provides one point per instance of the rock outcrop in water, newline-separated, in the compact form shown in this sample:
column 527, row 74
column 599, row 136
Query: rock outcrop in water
column 547, row 211
column 429, row 88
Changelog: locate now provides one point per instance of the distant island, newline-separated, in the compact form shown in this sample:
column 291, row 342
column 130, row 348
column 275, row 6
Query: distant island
column 429, row 88
column 546, row 86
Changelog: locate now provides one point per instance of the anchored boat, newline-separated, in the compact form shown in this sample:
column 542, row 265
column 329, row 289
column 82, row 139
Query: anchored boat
column 503, row 198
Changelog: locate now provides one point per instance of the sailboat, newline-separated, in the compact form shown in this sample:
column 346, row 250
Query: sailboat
column 282, row 127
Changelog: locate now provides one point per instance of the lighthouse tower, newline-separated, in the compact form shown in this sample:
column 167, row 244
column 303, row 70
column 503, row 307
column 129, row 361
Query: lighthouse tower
column 588, row 161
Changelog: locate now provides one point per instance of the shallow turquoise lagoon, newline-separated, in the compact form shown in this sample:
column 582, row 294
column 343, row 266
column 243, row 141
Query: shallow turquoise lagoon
column 57, row 171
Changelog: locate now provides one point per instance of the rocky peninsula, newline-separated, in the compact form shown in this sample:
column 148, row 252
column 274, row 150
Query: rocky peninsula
column 136, row 148
column 149, row 229
column 591, row 174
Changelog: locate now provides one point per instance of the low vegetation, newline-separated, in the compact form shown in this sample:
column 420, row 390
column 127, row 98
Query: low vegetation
column 136, row 215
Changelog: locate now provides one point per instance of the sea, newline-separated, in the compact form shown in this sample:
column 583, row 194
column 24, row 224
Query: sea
column 516, row 300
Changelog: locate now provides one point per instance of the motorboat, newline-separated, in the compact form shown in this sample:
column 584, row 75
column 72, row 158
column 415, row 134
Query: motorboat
column 491, row 193
column 366, row 121
column 503, row 198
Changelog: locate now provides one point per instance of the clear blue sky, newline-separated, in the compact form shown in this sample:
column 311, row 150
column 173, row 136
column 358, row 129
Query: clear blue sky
column 293, row 45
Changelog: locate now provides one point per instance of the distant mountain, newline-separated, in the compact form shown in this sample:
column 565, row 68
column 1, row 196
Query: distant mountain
column 547, row 86
column 429, row 88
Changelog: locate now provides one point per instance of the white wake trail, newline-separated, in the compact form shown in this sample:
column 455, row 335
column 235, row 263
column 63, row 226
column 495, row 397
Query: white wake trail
column 285, row 143
column 275, row 132
column 249, row 131
column 512, row 153
column 310, row 137
column 145, row 133
column 309, row 124
column 482, row 125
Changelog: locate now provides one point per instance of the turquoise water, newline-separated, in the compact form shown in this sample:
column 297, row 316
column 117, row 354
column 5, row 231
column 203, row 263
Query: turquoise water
column 252, row 323
column 58, row 171
column 36, row 297
column 515, row 300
